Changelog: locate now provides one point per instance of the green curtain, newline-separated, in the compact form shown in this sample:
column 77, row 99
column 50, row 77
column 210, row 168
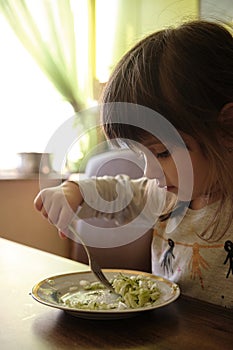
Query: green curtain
column 68, row 38
column 59, row 34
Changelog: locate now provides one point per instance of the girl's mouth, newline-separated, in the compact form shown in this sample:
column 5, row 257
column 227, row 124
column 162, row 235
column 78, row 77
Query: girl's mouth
column 171, row 188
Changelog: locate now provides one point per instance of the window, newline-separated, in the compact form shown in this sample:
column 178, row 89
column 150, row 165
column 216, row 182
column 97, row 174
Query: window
column 31, row 108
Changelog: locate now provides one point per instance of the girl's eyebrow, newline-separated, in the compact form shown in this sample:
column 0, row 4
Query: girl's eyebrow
column 156, row 146
column 157, row 143
column 152, row 142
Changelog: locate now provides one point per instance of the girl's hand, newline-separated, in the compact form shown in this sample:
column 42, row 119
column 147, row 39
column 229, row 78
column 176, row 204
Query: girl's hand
column 59, row 204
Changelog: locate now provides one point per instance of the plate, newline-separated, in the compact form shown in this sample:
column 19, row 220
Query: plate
column 51, row 290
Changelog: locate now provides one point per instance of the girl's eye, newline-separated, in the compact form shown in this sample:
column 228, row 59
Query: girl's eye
column 164, row 154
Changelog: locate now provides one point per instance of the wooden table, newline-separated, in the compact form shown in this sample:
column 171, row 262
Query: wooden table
column 29, row 325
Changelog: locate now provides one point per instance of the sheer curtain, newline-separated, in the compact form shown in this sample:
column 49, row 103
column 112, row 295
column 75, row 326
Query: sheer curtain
column 60, row 36
column 76, row 43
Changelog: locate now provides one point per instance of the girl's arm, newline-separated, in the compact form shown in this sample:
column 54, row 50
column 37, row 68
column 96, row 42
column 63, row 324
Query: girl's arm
column 109, row 197
column 118, row 198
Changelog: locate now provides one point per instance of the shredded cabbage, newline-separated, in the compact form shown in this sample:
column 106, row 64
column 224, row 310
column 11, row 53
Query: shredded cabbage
column 132, row 292
column 136, row 291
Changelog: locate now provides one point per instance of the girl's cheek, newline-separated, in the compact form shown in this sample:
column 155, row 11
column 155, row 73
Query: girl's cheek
column 153, row 169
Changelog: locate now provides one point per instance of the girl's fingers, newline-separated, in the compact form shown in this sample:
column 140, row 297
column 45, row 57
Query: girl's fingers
column 58, row 206
column 62, row 235
column 54, row 213
column 66, row 216
column 44, row 213
column 38, row 202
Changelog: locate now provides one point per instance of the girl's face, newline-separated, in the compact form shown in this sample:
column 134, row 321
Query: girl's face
column 164, row 168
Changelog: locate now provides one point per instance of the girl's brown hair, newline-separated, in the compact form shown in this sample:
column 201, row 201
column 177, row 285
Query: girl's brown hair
column 186, row 75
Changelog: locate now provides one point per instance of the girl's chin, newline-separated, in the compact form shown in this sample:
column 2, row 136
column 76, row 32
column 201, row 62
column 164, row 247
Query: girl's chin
column 182, row 196
column 172, row 189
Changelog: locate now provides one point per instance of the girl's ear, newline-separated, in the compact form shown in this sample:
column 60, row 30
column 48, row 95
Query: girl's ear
column 226, row 119
column 226, row 113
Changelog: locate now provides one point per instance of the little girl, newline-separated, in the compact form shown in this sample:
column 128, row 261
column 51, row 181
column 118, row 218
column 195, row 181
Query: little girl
column 185, row 75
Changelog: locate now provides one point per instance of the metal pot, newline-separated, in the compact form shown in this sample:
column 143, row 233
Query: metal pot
column 34, row 163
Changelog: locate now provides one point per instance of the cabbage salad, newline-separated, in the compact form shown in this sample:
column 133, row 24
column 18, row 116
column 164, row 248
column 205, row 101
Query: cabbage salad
column 131, row 292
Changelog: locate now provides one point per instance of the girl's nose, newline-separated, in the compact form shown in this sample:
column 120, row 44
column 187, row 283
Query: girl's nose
column 153, row 170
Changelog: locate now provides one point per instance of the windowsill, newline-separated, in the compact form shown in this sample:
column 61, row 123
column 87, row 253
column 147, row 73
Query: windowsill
column 31, row 176
column 77, row 176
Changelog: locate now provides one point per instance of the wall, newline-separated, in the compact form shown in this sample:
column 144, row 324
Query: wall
column 20, row 222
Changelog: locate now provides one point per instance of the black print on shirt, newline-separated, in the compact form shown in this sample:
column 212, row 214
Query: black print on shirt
column 228, row 246
column 167, row 258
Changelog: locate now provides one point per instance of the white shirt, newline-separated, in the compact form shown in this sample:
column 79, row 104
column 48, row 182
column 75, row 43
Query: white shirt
column 201, row 266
